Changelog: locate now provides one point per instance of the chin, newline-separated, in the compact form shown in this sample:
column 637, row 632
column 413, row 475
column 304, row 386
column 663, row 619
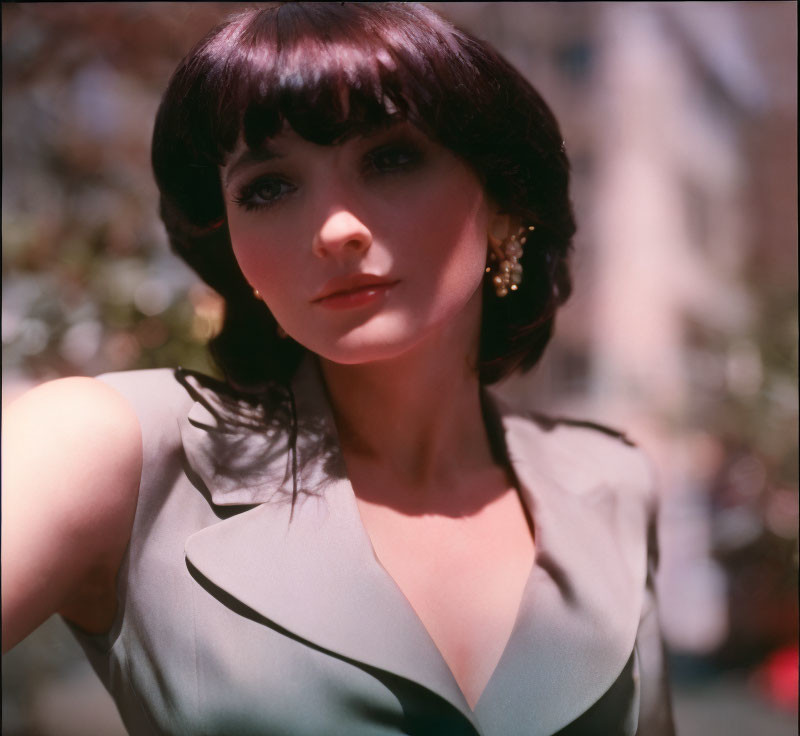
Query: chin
column 376, row 340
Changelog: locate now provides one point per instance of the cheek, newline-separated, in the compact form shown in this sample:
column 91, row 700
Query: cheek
column 247, row 250
column 456, row 238
column 257, row 254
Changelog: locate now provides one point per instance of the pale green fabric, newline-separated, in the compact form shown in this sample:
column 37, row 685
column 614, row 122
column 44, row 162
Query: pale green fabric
column 241, row 613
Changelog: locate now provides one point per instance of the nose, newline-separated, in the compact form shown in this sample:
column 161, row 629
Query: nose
column 341, row 235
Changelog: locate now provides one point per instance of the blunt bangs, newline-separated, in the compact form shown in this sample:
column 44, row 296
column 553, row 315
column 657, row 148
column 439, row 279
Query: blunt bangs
column 325, row 75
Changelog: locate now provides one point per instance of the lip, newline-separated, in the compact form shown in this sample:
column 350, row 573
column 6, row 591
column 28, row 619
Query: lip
column 354, row 290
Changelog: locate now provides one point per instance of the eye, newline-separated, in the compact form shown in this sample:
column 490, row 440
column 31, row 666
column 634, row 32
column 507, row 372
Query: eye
column 394, row 157
column 263, row 192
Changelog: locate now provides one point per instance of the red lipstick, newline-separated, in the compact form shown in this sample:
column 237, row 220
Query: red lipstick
column 353, row 291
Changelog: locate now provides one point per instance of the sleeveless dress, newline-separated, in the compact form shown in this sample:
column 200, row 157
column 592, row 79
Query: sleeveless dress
column 251, row 600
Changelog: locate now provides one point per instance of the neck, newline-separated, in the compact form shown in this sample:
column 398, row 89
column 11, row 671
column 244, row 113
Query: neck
column 416, row 418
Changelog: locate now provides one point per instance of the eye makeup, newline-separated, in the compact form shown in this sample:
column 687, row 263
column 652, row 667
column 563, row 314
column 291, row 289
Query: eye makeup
column 389, row 153
column 394, row 156
column 264, row 191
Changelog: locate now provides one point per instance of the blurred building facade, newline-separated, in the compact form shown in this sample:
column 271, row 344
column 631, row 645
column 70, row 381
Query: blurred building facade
column 680, row 121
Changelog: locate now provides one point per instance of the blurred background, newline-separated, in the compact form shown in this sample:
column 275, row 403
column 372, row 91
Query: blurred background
column 681, row 123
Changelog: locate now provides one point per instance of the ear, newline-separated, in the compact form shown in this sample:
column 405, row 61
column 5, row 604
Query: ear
column 499, row 228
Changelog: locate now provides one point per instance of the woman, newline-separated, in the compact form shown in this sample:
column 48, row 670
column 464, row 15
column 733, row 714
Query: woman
column 350, row 534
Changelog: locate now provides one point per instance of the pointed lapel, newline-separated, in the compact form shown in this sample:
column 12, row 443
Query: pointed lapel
column 310, row 569
column 587, row 495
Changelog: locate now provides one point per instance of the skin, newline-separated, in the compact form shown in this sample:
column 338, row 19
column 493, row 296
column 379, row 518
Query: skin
column 395, row 205
column 383, row 205
column 72, row 458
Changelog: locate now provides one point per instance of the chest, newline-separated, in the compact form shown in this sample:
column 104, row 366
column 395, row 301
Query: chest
column 297, row 631
column 463, row 576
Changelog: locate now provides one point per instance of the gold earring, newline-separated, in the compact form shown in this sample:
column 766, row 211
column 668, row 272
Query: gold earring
column 257, row 294
column 507, row 269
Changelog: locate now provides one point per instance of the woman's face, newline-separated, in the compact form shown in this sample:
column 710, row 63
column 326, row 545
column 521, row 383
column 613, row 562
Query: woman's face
column 363, row 249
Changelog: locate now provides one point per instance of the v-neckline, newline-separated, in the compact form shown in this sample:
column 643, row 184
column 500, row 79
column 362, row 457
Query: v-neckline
column 520, row 603
column 314, row 572
column 495, row 432
column 493, row 426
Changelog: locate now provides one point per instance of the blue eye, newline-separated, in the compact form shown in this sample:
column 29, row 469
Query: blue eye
column 262, row 193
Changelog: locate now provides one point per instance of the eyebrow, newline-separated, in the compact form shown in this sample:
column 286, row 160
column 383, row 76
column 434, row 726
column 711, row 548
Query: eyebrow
column 249, row 157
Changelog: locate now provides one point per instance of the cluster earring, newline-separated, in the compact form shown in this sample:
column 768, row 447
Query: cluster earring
column 505, row 262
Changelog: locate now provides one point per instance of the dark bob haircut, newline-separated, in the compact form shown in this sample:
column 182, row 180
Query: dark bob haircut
column 332, row 71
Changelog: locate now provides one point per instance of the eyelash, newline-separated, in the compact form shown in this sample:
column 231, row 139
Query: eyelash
column 247, row 196
column 411, row 155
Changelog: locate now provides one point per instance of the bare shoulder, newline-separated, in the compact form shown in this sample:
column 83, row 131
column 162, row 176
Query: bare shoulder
column 94, row 397
column 75, row 428
column 72, row 459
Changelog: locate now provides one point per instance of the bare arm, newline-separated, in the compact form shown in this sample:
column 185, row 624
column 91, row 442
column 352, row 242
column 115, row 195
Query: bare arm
column 72, row 459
